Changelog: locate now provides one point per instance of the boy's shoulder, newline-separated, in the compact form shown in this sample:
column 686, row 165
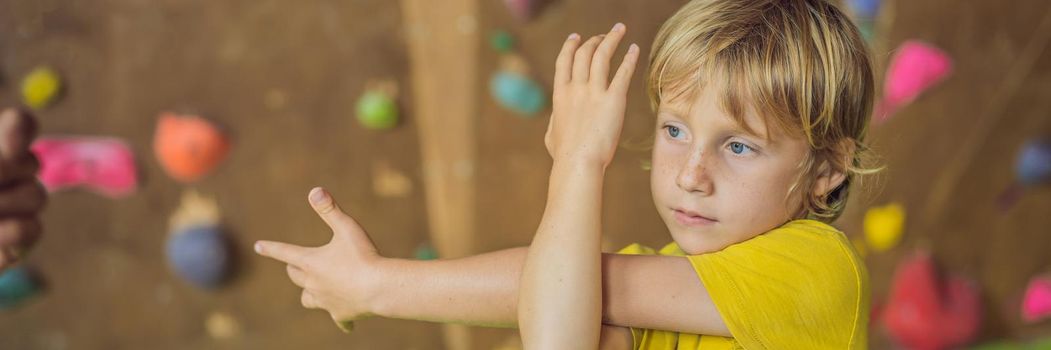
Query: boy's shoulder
column 810, row 248
column 801, row 285
column 804, row 275
column 808, row 252
column 805, row 236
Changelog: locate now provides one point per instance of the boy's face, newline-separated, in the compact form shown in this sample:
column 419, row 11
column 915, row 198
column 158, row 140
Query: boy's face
column 713, row 183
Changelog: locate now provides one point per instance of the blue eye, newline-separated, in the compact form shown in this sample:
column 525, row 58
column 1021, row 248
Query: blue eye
column 673, row 131
column 740, row 148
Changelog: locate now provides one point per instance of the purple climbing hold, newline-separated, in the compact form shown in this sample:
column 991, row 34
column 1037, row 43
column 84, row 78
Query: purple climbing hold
column 865, row 8
column 1033, row 166
column 521, row 9
column 200, row 254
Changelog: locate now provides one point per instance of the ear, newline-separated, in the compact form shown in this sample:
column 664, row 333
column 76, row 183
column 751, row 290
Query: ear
column 828, row 176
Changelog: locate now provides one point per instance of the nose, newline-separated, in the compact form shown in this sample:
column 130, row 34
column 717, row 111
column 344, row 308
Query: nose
column 695, row 174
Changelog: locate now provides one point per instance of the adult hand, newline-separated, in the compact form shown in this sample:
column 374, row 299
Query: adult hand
column 22, row 197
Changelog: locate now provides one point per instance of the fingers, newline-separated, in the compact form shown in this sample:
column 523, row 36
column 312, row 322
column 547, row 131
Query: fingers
column 284, row 252
column 603, row 54
column 547, row 136
column 297, row 276
column 582, row 59
column 5, row 260
column 308, row 300
column 19, row 233
column 18, row 169
column 17, row 130
column 10, row 254
column 564, row 62
column 590, row 61
column 24, row 198
column 622, row 79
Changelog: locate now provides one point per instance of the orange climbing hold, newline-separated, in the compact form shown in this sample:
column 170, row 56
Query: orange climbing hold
column 187, row 146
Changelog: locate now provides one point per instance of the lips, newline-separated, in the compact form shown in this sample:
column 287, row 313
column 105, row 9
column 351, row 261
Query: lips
column 691, row 218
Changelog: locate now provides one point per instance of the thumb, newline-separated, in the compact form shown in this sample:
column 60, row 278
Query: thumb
column 343, row 226
column 329, row 211
column 17, row 130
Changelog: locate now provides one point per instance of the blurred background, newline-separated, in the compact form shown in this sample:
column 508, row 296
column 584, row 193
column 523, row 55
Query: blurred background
column 425, row 119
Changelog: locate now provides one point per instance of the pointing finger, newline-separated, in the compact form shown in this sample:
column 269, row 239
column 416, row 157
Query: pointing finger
column 284, row 252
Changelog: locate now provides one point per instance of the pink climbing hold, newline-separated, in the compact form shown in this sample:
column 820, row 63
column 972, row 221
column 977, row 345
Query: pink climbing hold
column 1037, row 303
column 521, row 9
column 926, row 312
column 914, row 68
column 104, row 165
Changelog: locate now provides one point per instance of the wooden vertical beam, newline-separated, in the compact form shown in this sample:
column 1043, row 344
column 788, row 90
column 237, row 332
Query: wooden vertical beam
column 443, row 54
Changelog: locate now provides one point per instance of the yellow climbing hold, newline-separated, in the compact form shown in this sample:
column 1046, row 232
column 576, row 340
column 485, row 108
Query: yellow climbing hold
column 883, row 226
column 221, row 325
column 40, row 87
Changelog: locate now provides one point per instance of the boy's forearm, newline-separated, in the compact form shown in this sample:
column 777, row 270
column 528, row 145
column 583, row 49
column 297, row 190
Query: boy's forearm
column 482, row 290
column 478, row 290
column 561, row 295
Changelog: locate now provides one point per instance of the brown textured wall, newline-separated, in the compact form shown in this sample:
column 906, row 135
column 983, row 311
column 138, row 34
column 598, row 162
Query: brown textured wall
column 125, row 60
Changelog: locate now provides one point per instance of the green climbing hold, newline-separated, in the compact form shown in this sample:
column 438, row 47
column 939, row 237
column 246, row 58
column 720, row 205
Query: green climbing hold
column 502, row 41
column 425, row 252
column 377, row 110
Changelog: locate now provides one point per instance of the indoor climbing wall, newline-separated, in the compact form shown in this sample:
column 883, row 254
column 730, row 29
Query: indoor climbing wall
column 231, row 112
column 955, row 228
column 176, row 133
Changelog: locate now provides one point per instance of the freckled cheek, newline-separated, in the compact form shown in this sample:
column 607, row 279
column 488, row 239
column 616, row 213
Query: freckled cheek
column 738, row 197
column 766, row 201
column 747, row 193
column 666, row 164
column 671, row 156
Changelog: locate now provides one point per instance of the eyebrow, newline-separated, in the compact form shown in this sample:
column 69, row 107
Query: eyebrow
column 755, row 133
column 670, row 110
column 738, row 128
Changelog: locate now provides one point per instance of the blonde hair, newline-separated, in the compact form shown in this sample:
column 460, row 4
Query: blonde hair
column 800, row 64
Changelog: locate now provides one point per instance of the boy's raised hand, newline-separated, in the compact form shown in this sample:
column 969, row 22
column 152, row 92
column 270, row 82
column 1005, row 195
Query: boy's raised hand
column 337, row 277
column 588, row 109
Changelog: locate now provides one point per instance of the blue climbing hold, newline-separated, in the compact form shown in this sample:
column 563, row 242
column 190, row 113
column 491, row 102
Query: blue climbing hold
column 16, row 284
column 200, row 255
column 517, row 93
column 1033, row 166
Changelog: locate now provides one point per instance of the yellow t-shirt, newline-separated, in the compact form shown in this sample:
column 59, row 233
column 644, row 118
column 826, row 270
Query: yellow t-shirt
column 799, row 286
